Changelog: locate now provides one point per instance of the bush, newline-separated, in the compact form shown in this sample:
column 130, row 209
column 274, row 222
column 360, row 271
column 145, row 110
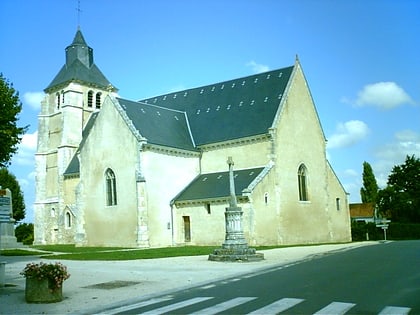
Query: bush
column 404, row 231
column 24, row 233
column 362, row 231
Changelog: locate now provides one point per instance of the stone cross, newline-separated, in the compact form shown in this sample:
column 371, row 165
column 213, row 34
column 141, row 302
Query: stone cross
column 232, row 201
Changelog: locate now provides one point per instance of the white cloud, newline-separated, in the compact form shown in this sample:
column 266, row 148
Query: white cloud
column 26, row 150
column 350, row 173
column 256, row 67
column 384, row 95
column 405, row 142
column 33, row 99
column 348, row 134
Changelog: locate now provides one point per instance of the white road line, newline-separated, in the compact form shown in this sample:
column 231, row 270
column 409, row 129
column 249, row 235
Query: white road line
column 223, row 306
column 395, row 310
column 207, row 286
column 133, row 306
column 171, row 307
column 336, row 308
column 277, row 307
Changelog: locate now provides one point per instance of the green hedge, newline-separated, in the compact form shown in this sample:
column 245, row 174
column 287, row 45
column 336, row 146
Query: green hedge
column 395, row 231
column 404, row 231
column 361, row 231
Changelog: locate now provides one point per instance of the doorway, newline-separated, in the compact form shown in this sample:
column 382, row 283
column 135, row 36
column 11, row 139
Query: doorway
column 187, row 229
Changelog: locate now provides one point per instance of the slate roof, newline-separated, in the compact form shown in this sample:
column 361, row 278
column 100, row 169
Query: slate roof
column 79, row 67
column 216, row 185
column 73, row 169
column 232, row 109
column 160, row 126
column 78, row 72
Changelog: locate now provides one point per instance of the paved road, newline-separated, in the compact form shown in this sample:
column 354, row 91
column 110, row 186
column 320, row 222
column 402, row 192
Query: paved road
column 381, row 279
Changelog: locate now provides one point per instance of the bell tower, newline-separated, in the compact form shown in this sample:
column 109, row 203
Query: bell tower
column 76, row 92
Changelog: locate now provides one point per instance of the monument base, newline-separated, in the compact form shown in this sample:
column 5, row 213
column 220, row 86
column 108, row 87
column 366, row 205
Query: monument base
column 7, row 236
column 241, row 254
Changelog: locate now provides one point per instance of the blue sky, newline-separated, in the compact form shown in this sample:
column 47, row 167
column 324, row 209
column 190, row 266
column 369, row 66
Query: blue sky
column 360, row 59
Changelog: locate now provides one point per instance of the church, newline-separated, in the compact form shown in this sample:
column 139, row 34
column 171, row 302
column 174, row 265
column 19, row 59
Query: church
column 154, row 173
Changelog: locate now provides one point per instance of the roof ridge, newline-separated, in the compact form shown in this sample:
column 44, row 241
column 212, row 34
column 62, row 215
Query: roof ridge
column 218, row 83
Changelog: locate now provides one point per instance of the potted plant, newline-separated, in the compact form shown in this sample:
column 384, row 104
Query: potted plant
column 44, row 282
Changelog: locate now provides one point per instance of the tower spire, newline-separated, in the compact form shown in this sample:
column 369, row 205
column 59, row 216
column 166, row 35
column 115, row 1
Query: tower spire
column 79, row 11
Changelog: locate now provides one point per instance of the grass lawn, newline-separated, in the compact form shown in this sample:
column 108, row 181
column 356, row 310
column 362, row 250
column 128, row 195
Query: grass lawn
column 132, row 254
column 71, row 252
column 20, row 252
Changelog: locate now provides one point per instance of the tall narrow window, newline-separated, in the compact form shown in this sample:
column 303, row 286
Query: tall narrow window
column 90, row 98
column 266, row 198
column 68, row 220
column 58, row 99
column 62, row 96
column 302, row 182
column 338, row 204
column 98, row 100
column 111, row 188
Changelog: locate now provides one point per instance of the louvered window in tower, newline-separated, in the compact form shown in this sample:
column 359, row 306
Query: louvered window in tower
column 111, row 188
column 98, row 100
column 57, row 95
column 90, row 98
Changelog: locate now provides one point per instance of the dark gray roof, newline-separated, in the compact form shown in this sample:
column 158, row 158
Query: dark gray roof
column 74, row 167
column 79, row 67
column 216, row 185
column 161, row 126
column 78, row 72
column 232, row 109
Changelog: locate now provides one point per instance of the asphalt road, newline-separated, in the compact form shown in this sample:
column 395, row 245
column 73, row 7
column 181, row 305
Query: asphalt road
column 379, row 279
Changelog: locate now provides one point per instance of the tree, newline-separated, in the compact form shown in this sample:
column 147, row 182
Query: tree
column 8, row 180
column 370, row 188
column 401, row 197
column 24, row 233
column 10, row 133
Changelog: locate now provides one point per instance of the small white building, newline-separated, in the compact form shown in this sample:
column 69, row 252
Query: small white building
column 153, row 173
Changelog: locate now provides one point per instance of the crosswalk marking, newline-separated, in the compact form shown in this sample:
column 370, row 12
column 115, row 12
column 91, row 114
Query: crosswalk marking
column 133, row 306
column 171, row 307
column 224, row 306
column 277, row 307
column 395, row 310
column 336, row 308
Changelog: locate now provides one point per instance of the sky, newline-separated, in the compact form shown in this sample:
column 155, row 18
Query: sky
column 360, row 58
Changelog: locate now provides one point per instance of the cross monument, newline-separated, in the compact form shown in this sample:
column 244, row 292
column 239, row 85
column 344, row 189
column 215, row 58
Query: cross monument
column 235, row 247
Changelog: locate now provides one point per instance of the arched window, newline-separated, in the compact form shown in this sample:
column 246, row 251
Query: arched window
column 62, row 96
column 98, row 100
column 57, row 95
column 303, row 183
column 266, row 198
column 68, row 220
column 338, row 204
column 111, row 188
column 90, row 98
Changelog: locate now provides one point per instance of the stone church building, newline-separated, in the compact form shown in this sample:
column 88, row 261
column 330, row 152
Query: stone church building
column 153, row 172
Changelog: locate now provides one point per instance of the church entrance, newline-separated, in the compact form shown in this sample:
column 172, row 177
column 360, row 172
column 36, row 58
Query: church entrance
column 187, row 229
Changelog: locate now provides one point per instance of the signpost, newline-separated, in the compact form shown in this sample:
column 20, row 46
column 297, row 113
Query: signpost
column 384, row 225
column 6, row 214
